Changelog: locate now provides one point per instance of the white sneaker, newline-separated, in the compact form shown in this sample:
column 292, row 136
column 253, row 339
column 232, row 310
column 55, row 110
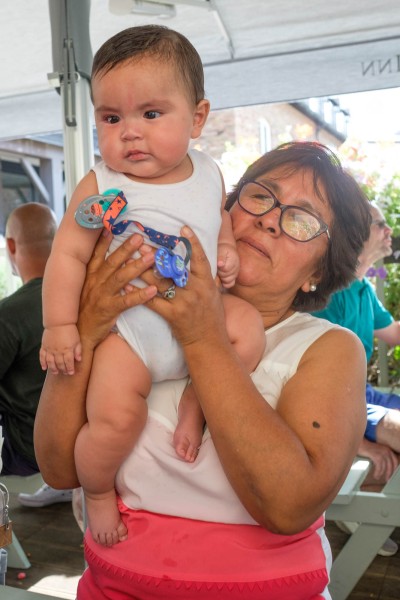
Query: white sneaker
column 45, row 496
column 389, row 548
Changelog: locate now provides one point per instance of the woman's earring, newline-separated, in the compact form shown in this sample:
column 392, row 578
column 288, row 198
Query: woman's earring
column 313, row 287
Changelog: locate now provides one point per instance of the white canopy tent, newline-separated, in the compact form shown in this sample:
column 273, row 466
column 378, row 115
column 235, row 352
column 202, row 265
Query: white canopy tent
column 254, row 52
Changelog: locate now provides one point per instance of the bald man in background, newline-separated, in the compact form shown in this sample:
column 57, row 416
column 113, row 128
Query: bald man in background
column 30, row 230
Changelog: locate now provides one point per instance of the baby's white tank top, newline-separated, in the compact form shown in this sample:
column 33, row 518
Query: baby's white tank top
column 195, row 202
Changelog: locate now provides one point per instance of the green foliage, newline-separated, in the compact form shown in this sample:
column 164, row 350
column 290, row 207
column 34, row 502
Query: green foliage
column 390, row 202
column 392, row 290
column 389, row 199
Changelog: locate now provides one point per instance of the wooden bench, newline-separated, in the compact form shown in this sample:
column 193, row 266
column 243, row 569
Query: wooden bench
column 378, row 514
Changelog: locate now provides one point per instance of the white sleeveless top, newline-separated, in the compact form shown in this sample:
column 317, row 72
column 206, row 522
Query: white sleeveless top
column 167, row 207
column 154, row 479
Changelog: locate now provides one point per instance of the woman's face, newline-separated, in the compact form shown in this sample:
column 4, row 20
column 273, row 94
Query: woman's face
column 273, row 267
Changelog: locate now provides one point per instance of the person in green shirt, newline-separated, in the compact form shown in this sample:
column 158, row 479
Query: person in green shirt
column 358, row 308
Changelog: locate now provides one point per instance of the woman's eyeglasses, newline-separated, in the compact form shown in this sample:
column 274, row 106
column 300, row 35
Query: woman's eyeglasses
column 297, row 223
column 380, row 223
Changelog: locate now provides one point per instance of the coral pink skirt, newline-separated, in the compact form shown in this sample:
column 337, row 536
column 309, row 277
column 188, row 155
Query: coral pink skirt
column 170, row 557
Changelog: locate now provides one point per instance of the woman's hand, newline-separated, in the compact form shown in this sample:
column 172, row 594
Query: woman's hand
column 196, row 311
column 101, row 299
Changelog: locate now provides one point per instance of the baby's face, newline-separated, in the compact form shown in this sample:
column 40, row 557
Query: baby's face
column 144, row 120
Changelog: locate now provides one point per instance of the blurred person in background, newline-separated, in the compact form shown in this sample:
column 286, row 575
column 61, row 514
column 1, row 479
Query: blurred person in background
column 30, row 230
column 358, row 308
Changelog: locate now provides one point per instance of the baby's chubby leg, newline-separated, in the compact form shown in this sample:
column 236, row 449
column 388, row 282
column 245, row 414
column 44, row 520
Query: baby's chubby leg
column 117, row 412
column 246, row 332
column 189, row 431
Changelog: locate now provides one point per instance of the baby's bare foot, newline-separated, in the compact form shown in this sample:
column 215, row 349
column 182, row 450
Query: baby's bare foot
column 187, row 445
column 104, row 519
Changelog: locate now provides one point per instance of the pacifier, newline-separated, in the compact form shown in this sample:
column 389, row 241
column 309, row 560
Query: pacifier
column 171, row 266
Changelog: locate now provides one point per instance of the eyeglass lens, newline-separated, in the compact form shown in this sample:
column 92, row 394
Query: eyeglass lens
column 296, row 222
column 381, row 224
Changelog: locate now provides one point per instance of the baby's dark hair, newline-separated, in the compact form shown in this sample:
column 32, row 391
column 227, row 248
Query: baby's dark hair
column 159, row 42
column 350, row 227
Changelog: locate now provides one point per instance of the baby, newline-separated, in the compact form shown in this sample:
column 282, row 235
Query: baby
column 148, row 96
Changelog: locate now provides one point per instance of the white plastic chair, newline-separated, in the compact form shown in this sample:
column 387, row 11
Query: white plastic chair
column 378, row 514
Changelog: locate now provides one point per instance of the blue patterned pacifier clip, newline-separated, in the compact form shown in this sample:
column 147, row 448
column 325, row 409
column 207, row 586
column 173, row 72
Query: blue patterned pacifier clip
column 102, row 210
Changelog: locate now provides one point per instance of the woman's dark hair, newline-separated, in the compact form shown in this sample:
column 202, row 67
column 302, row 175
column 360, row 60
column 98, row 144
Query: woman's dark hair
column 351, row 222
column 159, row 42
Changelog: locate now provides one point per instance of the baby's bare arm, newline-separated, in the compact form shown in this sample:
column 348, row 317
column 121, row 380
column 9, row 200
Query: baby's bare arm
column 62, row 285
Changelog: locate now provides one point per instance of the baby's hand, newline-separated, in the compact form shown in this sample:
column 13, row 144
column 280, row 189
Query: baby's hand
column 227, row 264
column 60, row 348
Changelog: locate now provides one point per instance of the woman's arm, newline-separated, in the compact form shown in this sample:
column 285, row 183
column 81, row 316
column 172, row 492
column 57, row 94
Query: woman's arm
column 61, row 411
column 286, row 465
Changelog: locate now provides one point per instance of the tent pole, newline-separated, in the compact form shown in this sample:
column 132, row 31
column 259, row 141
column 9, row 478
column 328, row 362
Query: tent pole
column 72, row 61
column 78, row 135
